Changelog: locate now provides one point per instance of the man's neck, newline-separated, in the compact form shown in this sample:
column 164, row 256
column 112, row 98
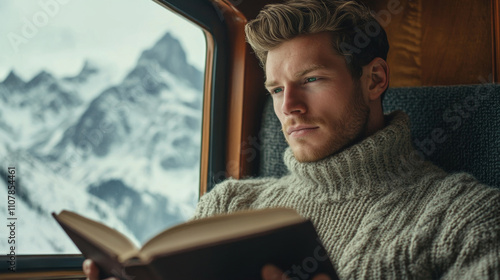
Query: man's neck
column 376, row 120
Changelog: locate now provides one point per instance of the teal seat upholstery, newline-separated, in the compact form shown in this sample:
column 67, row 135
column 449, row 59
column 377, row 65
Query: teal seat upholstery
column 272, row 143
column 456, row 127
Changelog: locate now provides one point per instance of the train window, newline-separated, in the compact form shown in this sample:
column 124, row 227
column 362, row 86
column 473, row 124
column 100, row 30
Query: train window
column 101, row 113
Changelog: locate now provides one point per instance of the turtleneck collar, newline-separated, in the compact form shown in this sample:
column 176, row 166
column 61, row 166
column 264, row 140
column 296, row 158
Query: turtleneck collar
column 372, row 162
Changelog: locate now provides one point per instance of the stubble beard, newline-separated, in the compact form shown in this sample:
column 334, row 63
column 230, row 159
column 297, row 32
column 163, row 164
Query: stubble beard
column 347, row 130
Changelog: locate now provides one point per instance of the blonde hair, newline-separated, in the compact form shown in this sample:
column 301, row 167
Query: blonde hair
column 347, row 21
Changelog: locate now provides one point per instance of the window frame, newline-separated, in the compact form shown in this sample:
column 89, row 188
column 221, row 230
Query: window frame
column 223, row 26
column 211, row 16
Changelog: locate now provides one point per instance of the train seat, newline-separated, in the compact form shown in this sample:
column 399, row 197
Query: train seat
column 456, row 127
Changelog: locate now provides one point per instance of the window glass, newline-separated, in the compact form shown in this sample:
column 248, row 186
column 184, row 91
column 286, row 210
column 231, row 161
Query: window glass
column 100, row 113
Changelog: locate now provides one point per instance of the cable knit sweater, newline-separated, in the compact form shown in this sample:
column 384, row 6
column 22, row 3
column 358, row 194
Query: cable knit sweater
column 381, row 212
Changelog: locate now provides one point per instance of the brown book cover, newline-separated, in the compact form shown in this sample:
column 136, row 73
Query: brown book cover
column 230, row 246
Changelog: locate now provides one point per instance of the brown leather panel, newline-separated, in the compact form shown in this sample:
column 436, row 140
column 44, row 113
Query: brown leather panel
column 207, row 102
column 254, row 98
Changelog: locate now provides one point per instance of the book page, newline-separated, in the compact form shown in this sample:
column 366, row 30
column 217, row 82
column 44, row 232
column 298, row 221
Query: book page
column 218, row 228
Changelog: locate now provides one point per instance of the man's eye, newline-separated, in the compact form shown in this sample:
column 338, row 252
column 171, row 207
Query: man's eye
column 312, row 79
column 276, row 90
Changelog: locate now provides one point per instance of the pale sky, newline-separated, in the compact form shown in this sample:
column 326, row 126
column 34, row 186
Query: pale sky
column 61, row 34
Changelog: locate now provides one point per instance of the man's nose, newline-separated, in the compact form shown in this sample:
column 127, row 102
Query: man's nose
column 293, row 101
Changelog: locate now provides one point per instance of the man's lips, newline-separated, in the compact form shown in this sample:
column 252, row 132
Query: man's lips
column 300, row 130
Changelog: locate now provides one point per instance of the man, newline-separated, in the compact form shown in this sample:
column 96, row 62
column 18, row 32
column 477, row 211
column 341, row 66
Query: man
column 375, row 219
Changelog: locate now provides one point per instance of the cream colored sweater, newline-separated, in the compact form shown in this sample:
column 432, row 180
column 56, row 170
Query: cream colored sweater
column 381, row 212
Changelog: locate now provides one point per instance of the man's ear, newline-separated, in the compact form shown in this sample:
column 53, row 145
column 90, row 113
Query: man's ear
column 376, row 76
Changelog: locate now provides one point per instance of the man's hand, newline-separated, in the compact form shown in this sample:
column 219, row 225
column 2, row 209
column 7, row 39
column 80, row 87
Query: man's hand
column 271, row 272
column 91, row 271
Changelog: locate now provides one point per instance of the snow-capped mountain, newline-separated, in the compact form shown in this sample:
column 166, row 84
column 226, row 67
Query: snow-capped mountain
column 125, row 153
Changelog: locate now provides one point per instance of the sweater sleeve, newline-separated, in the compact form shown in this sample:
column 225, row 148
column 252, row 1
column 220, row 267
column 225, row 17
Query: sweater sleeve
column 223, row 198
column 472, row 235
column 214, row 202
column 230, row 196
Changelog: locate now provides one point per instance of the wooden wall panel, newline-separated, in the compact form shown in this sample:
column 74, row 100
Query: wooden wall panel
column 456, row 41
column 402, row 21
column 445, row 42
column 442, row 42
column 253, row 98
column 495, row 28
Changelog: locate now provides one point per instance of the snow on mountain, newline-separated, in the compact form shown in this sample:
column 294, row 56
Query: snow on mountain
column 40, row 192
column 12, row 82
column 45, row 106
column 125, row 153
column 169, row 55
column 91, row 81
column 89, row 69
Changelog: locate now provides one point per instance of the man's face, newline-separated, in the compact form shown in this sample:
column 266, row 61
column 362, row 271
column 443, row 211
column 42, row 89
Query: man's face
column 321, row 109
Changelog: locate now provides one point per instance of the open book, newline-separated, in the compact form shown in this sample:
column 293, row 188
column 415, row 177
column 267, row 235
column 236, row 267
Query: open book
column 231, row 246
